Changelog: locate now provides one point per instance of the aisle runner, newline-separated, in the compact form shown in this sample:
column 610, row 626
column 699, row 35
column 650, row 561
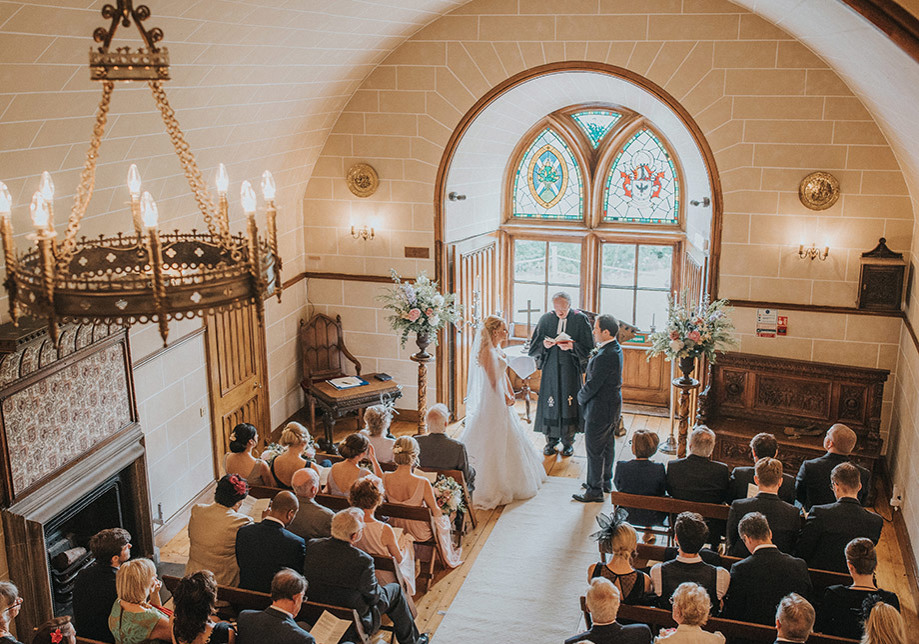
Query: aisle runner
column 525, row 583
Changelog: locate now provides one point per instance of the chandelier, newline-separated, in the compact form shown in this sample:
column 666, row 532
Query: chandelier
column 146, row 275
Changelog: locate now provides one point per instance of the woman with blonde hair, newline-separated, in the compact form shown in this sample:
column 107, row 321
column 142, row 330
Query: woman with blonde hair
column 619, row 539
column 691, row 608
column 10, row 601
column 354, row 449
column 133, row 618
column 884, row 626
column 296, row 439
column 240, row 459
column 376, row 426
column 405, row 487
column 507, row 465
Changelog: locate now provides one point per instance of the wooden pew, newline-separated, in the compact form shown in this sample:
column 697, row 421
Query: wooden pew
column 671, row 506
column 241, row 600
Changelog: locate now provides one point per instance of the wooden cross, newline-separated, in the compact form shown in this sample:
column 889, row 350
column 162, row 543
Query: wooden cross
column 529, row 310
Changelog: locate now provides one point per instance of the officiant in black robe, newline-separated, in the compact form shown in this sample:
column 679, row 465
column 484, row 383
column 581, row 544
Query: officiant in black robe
column 562, row 365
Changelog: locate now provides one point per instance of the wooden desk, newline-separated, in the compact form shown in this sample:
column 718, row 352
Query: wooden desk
column 335, row 403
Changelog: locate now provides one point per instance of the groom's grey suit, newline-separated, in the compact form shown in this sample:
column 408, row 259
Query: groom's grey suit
column 601, row 403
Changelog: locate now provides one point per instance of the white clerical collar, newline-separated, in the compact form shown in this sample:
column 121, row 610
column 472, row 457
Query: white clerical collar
column 561, row 324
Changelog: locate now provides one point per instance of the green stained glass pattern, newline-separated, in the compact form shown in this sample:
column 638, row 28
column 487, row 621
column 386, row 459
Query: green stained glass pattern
column 547, row 184
column 642, row 186
column 596, row 123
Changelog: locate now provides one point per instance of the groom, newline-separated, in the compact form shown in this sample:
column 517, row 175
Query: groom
column 601, row 403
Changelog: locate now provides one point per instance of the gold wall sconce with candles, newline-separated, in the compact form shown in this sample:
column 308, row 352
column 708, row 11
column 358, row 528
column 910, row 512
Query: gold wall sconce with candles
column 812, row 252
column 365, row 232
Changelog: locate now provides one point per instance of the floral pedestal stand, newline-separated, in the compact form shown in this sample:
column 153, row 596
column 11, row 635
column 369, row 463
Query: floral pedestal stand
column 686, row 383
column 422, row 358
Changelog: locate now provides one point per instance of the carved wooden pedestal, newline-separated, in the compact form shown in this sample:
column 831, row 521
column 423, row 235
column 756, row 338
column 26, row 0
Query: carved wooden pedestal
column 422, row 359
column 682, row 412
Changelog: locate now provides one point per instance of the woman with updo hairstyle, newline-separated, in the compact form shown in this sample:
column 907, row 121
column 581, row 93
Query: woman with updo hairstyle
column 296, row 439
column 405, row 487
column 9, row 609
column 376, row 427
column 354, row 449
column 195, row 603
column 57, row 630
column 619, row 539
column 379, row 538
column 241, row 461
column 212, row 531
column 133, row 618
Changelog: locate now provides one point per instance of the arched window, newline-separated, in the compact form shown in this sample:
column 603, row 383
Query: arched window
column 642, row 185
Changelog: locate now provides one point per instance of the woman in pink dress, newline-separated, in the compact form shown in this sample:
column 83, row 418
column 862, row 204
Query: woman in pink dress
column 343, row 474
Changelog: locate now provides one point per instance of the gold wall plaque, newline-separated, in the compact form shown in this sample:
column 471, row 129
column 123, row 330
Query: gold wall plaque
column 818, row 190
column 362, row 180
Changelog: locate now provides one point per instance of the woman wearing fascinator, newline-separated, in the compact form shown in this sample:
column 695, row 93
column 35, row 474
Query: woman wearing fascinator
column 619, row 539
column 507, row 465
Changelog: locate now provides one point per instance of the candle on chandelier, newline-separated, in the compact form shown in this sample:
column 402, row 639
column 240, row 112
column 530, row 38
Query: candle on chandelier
column 6, row 201
column 148, row 211
column 39, row 211
column 247, row 196
column 134, row 184
column 46, row 187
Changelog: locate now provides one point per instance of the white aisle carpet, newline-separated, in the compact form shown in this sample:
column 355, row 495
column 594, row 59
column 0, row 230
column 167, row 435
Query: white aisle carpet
column 525, row 583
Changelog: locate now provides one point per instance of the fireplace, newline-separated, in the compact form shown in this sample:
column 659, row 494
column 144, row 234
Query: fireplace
column 72, row 460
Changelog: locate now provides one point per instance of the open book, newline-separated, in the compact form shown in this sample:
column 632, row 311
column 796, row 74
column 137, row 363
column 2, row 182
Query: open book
column 328, row 629
column 347, row 382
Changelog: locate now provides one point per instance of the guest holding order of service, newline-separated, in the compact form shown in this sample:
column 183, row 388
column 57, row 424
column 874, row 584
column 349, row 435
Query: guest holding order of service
column 212, row 531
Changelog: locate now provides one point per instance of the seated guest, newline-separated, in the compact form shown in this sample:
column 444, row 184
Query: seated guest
column 884, row 626
column 439, row 450
column 313, row 520
column 376, row 426
column 9, row 610
column 794, row 619
column 759, row 582
column 297, row 440
column 812, row 487
column 341, row 574
column 94, row 589
column 698, row 478
column 241, row 461
column 643, row 476
column 620, row 540
column 57, row 630
column 691, row 608
column 379, row 538
column 784, row 519
column 406, row 487
column 603, row 605
column 212, row 531
column 762, row 445
column 343, row 474
column 829, row 528
column 262, row 549
column 195, row 600
column 842, row 610
column 691, row 533
column 133, row 618
column 276, row 623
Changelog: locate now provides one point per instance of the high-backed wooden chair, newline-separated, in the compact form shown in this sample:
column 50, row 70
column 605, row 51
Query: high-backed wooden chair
column 323, row 354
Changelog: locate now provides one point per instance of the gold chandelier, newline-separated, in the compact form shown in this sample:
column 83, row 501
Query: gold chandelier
column 148, row 275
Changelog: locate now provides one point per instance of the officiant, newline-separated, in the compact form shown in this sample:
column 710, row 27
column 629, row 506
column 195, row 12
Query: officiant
column 561, row 345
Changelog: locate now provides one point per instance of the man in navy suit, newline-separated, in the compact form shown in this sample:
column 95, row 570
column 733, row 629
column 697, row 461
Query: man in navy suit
column 794, row 619
column 812, row 487
column 601, row 403
column 762, row 445
column 785, row 520
column 262, row 549
column 603, row 605
column 276, row 623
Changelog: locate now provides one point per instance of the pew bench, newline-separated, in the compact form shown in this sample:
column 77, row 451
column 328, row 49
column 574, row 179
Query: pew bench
column 669, row 505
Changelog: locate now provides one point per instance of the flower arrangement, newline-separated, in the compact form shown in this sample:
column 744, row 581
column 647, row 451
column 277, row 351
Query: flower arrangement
column 419, row 308
column 690, row 333
column 449, row 495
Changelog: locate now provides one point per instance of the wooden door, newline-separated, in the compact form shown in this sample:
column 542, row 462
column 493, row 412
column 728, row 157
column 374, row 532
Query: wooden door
column 474, row 279
column 237, row 377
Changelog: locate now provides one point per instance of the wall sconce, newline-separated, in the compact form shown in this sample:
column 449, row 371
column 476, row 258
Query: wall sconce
column 455, row 196
column 706, row 202
column 813, row 253
column 365, row 232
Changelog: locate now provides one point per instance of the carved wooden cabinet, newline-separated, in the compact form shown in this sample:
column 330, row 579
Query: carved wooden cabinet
column 880, row 284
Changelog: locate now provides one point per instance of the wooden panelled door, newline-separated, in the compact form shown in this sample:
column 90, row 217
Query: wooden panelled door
column 474, row 278
column 237, row 377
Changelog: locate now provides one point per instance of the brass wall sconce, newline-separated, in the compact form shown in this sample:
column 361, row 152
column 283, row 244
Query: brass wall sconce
column 813, row 252
column 365, row 232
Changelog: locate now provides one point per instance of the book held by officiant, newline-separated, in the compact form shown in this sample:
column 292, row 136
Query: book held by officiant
column 347, row 382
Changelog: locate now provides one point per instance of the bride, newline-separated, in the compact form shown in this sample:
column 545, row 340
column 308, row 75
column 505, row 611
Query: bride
column 507, row 465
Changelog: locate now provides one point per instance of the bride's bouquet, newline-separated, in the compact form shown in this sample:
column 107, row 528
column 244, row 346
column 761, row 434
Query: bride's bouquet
column 419, row 308
column 449, row 495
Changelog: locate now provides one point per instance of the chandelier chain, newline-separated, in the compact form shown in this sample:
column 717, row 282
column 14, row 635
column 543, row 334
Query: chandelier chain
column 87, row 179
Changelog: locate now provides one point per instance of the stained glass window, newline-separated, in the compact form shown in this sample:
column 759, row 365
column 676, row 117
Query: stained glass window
column 548, row 182
column 642, row 185
column 596, row 123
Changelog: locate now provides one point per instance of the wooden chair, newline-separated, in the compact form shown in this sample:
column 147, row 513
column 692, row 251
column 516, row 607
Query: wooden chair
column 322, row 354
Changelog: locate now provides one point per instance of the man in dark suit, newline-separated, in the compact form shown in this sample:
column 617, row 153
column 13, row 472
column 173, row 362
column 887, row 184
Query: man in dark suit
column 603, row 605
column 812, row 487
column 762, row 445
column 313, row 521
column 341, row 574
column 276, row 623
column 784, row 519
column 759, row 582
column 698, row 478
column 262, row 549
column 601, row 403
column 829, row 528
column 794, row 619
column 94, row 590
column 439, row 450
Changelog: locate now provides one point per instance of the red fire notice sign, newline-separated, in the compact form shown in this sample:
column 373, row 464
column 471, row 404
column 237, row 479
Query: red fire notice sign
column 782, row 327
column 766, row 323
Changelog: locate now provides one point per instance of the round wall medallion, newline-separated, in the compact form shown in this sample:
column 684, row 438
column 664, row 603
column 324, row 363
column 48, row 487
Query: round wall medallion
column 362, row 179
column 818, row 190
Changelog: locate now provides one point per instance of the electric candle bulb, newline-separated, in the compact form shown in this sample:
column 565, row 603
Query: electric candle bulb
column 247, row 194
column 134, row 181
column 268, row 187
column 46, row 186
column 39, row 211
column 6, row 201
column 223, row 179
column 148, row 210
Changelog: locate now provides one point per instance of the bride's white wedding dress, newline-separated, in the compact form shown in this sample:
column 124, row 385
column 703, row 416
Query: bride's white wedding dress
column 507, row 465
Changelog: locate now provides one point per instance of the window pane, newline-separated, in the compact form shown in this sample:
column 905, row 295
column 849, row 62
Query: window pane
column 654, row 264
column 565, row 263
column 548, row 184
column 596, row 123
column 618, row 303
column 642, row 185
column 618, row 267
column 529, row 260
column 536, row 293
column 652, row 306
